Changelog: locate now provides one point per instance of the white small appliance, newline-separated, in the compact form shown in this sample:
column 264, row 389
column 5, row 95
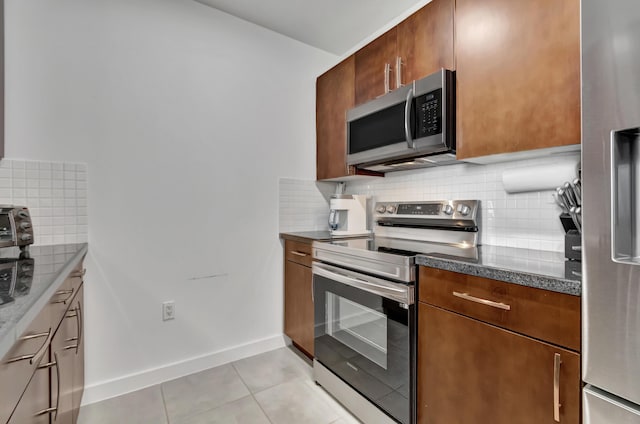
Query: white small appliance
column 348, row 215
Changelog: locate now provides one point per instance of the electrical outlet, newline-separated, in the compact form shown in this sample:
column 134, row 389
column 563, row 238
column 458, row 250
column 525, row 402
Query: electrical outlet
column 168, row 310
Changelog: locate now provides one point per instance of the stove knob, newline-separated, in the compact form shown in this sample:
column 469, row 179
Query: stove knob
column 25, row 225
column 391, row 209
column 381, row 208
column 448, row 209
column 25, row 237
column 23, row 214
column 464, row 209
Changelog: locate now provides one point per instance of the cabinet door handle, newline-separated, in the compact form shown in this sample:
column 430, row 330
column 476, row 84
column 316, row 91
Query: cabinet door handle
column 387, row 72
column 556, row 387
column 399, row 72
column 467, row 296
column 80, row 325
column 293, row 252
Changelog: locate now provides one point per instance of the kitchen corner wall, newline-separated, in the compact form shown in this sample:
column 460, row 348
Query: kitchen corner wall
column 521, row 220
column 54, row 192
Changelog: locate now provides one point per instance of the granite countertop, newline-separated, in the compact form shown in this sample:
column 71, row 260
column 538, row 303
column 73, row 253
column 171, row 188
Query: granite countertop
column 51, row 265
column 306, row 236
column 531, row 268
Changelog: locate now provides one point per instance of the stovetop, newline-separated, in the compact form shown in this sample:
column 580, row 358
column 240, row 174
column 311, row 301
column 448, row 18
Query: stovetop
column 387, row 257
column 383, row 246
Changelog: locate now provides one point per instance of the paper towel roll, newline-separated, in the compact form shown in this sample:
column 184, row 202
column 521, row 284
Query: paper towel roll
column 540, row 177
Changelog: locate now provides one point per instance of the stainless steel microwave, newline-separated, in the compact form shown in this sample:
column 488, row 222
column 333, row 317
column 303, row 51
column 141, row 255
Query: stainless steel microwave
column 411, row 127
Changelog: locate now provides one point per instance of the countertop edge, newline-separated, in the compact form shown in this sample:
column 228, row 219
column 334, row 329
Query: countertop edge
column 19, row 327
column 306, row 236
column 527, row 279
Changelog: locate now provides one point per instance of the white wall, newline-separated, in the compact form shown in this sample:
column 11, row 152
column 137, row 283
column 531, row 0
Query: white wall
column 186, row 118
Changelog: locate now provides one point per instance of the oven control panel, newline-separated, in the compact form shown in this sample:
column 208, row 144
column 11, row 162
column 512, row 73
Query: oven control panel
column 442, row 209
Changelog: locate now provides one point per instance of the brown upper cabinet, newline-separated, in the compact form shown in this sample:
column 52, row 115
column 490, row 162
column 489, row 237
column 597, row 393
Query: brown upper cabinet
column 518, row 75
column 334, row 96
column 417, row 47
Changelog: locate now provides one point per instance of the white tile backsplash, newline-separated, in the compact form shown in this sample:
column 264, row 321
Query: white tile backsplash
column 55, row 194
column 523, row 220
column 303, row 205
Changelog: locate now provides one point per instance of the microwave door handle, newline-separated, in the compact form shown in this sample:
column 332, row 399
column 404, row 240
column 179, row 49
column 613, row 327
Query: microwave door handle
column 407, row 119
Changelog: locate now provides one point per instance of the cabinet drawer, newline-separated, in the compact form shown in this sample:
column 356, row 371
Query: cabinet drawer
column 19, row 364
column 62, row 298
column 542, row 314
column 298, row 252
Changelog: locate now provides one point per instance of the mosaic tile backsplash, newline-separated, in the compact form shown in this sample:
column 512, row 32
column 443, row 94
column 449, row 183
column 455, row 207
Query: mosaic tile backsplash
column 54, row 192
column 522, row 220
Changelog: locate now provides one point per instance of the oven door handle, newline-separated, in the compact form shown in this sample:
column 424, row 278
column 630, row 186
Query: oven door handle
column 396, row 291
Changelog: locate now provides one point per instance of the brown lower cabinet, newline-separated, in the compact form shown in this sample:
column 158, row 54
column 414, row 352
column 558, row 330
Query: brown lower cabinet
column 472, row 369
column 472, row 372
column 42, row 376
column 298, row 296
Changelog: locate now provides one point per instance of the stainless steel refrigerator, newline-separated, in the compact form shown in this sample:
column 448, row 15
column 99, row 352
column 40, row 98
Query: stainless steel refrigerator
column 611, row 209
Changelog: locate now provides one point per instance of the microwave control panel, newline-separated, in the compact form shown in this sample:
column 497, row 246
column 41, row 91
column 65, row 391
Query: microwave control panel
column 429, row 113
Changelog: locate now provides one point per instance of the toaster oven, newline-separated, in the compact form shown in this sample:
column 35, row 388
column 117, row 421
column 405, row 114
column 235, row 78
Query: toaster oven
column 16, row 228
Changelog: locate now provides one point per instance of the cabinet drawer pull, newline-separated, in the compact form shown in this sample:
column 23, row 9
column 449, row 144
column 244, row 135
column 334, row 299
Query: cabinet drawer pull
column 467, row 296
column 45, row 411
column 294, row 252
column 79, row 273
column 556, row 387
column 68, row 298
column 35, row 357
column 47, row 365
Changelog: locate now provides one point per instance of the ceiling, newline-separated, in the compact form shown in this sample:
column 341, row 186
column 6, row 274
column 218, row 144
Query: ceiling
column 335, row 26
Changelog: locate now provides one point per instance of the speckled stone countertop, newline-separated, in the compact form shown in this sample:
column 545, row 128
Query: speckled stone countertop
column 531, row 268
column 51, row 265
column 306, row 236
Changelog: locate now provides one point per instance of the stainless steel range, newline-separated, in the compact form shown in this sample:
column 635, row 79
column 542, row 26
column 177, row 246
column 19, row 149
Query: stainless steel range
column 364, row 295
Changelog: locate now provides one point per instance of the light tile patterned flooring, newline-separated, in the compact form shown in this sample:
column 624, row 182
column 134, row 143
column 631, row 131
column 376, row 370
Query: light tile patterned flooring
column 274, row 387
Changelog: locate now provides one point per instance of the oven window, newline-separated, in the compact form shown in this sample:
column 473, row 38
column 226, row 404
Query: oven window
column 6, row 234
column 358, row 327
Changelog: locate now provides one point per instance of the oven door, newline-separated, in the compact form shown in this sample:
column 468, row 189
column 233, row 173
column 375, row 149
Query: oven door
column 364, row 329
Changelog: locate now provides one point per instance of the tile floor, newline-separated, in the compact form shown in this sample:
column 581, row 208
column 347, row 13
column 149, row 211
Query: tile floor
column 274, row 387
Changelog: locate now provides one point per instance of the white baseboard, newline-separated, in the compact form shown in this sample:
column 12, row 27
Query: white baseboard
column 129, row 383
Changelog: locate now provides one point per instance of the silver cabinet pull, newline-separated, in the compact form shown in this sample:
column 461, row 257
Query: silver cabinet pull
column 294, row 252
column 399, row 72
column 45, row 411
column 55, row 359
column 79, row 273
column 387, row 71
column 576, row 248
column 47, row 365
column 556, row 387
column 35, row 357
column 68, row 298
column 80, row 325
column 467, row 296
